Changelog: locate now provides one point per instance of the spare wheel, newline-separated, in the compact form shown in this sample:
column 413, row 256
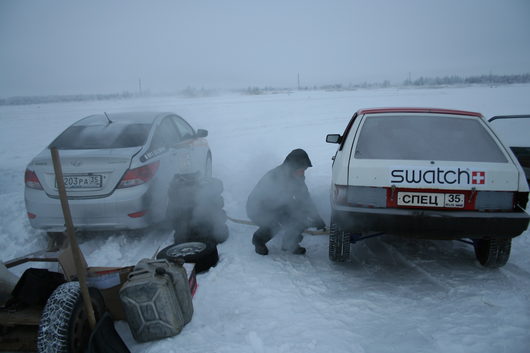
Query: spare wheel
column 64, row 323
column 202, row 253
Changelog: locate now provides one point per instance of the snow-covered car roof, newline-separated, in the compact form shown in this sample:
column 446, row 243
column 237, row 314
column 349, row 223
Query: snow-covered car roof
column 417, row 110
column 122, row 118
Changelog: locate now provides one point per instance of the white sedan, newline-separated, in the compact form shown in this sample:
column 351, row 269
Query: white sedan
column 117, row 170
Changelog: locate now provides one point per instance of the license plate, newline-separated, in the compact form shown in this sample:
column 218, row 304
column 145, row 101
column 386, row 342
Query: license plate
column 82, row 181
column 424, row 199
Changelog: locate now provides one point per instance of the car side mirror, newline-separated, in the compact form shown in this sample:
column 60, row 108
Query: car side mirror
column 333, row 138
column 201, row 133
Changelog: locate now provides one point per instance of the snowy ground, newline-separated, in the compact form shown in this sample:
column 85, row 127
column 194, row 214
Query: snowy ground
column 394, row 296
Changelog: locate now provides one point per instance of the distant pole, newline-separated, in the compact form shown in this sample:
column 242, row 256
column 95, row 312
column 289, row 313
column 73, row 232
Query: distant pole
column 140, row 85
column 298, row 81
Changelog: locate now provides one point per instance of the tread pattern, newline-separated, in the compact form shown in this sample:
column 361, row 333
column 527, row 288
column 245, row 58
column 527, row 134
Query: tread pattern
column 54, row 324
column 492, row 252
column 339, row 243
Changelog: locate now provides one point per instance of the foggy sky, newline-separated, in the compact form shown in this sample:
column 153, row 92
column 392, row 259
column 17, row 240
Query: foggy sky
column 106, row 46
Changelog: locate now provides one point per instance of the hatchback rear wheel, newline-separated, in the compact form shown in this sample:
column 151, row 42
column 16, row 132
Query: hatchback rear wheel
column 339, row 243
column 491, row 252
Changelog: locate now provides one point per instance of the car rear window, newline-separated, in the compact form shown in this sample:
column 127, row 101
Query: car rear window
column 102, row 136
column 426, row 138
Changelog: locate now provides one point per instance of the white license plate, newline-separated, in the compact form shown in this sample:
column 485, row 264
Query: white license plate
column 81, row 181
column 424, row 199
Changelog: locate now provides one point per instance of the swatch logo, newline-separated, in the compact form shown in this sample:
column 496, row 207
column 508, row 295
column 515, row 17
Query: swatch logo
column 436, row 176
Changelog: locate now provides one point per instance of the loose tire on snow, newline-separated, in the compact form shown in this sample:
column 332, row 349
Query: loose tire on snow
column 64, row 324
column 339, row 243
column 196, row 209
column 208, row 166
column 491, row 252
column 202, row 253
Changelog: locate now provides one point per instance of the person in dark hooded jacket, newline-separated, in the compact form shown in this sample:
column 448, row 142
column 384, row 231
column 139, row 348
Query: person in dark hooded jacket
column 281, row 202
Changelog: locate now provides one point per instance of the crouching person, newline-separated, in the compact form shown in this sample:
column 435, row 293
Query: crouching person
column 281, row 202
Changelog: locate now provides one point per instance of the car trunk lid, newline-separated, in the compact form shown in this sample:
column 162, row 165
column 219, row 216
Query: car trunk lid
column 439, row 185
column 87, row 173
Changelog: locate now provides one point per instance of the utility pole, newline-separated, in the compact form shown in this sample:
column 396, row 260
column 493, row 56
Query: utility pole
column 140, row 86
column 299, row 81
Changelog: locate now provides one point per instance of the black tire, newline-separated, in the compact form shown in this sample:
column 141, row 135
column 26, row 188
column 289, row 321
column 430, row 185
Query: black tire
column 339, row 243
column 56, row 240
column 64, row 324
column 202, row 253
column 491, row 252
column 208, row 166
column 210, row 187
column 221, row 233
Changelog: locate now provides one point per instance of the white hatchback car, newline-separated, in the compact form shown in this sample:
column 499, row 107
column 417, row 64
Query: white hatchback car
column 117, row 170
column 426, row 173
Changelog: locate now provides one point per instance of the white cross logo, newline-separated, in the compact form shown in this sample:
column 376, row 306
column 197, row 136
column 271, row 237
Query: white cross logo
column 478, row 177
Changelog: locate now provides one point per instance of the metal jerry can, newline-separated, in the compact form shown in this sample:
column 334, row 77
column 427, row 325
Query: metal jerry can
column 157, row 299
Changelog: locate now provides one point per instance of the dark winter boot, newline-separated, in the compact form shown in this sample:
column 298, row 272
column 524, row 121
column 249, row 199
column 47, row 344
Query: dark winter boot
column 299, row 251
column 260, row 246
column 259, row 239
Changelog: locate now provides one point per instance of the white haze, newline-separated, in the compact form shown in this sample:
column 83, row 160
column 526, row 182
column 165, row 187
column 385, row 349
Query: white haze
column 65, row 47
column 394, row 295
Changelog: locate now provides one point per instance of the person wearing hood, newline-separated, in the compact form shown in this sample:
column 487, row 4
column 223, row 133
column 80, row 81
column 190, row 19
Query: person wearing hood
column 281, row 202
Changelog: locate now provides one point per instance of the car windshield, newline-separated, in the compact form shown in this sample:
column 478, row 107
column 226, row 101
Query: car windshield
column 106, row 136
column 427, row 138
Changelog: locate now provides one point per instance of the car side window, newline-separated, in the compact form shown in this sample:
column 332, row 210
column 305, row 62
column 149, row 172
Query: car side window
column 347, row 131
column 186, row 131
column 166, row 135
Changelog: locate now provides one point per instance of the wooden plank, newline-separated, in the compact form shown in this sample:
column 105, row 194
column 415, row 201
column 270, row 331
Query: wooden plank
column 29, row 316
column 19, row 339
column 37, row 256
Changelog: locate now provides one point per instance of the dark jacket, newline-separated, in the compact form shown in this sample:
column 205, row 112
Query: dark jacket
column 281, row 197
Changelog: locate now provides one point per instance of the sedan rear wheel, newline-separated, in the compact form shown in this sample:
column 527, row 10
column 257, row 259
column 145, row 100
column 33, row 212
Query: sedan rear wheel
column 491, row 252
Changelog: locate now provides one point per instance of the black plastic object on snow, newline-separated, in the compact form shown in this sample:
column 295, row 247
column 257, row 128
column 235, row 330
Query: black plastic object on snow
column 105, row 339
column 202, row 253
column 196, row 209
column 34, row 287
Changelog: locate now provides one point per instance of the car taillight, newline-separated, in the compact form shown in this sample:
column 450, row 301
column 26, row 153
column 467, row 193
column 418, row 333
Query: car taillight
column 340, row 193
column 494, row 201
column 137, row 214
column 360, row 196
column 521, row 200
column 138, row 176
column 31, row 180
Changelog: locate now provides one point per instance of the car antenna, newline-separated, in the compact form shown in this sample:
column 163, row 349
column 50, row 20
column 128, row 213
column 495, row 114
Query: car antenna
column 110, row 121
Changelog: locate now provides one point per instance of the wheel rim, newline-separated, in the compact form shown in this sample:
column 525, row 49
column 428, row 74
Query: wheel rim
column 186, row 249
column 81, row 329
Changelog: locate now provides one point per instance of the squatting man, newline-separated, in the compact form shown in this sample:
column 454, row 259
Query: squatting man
column 281, row 202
